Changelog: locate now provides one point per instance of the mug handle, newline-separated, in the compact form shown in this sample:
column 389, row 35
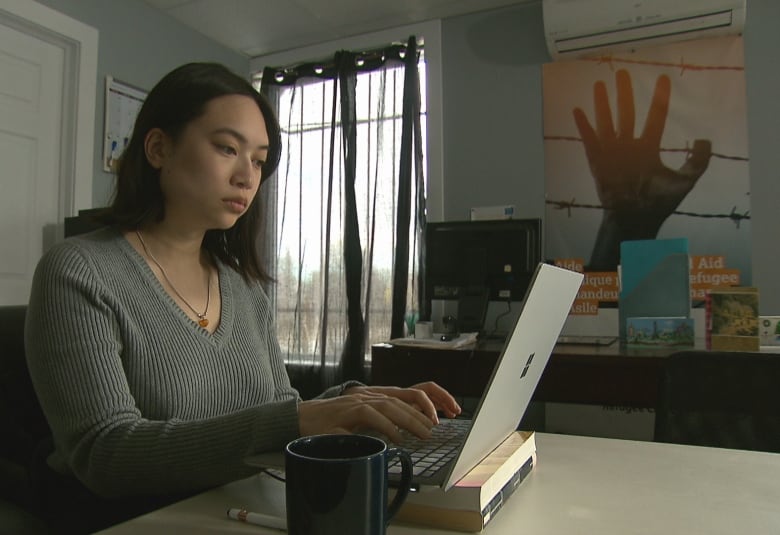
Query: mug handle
column 405, row 484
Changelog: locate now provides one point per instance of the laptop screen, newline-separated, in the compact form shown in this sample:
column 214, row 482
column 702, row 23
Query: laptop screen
column 519, row 368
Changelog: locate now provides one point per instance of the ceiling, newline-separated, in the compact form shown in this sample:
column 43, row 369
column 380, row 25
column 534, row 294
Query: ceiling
column 259, row 27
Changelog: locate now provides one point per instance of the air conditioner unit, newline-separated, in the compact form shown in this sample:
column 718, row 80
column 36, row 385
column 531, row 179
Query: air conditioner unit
column 576, row 28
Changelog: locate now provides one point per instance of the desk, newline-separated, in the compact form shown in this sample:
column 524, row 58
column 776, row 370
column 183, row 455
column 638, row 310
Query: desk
column 597, row 375
column 582, row 485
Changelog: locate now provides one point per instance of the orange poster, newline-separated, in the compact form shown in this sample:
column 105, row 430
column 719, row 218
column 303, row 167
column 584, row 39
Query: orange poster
column 649, row 144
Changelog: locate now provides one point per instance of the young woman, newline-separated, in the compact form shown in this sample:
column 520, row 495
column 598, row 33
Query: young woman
column 151, row 343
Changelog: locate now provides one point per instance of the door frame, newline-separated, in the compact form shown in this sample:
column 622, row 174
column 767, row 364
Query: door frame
column 79, row 43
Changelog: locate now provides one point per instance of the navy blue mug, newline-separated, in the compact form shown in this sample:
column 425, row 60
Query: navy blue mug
column 337, row 485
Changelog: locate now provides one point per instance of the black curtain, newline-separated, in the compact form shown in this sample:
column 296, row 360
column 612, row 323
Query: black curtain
column 343, row 70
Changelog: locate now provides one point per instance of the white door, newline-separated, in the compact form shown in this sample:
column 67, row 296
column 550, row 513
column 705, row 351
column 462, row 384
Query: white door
column 30, row 115
column 39, row 138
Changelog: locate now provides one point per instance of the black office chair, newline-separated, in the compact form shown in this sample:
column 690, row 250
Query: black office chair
column 720, row 399
column 24, row 428
column 33, row 498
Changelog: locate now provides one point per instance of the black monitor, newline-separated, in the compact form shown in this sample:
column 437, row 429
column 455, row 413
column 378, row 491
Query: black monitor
column 84, row 222
column 497, row 257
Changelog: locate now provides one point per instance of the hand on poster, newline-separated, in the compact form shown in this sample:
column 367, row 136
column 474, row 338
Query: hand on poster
column 637, row 191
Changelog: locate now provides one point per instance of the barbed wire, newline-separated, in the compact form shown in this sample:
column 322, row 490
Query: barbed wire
column 733, row 215
column 686, row 150
column 611, row 60
column 682, row 65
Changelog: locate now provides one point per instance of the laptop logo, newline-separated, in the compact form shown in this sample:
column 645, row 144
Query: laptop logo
column 527, row 365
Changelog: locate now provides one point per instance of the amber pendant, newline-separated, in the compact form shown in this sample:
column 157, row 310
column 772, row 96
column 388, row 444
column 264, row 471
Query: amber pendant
column 203, row 322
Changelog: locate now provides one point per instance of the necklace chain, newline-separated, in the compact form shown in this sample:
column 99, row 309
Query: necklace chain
column 202, row 319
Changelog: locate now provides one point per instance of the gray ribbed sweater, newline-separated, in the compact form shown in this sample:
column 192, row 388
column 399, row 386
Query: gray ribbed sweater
column 140, row 399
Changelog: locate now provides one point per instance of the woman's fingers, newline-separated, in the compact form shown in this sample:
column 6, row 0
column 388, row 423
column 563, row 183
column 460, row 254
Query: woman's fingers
column 441, row 398
column 427, row 397
column 414, row 397
column 352, row 412
column 385, row 409
column 399, row 414
column 418, row 399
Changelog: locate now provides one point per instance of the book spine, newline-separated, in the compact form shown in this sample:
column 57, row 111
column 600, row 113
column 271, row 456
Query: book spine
column 507, row 490
column 734, row 324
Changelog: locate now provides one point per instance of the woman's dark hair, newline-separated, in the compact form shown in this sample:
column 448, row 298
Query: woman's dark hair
column 179, row 98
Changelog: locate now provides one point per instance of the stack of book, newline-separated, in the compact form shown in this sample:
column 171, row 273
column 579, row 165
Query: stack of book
column 474, row 500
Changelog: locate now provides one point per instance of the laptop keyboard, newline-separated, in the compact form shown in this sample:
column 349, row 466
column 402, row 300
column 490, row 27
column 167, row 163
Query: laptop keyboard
column 431, row 455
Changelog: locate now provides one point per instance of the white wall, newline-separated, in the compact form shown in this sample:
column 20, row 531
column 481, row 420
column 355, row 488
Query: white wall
column 137, row 45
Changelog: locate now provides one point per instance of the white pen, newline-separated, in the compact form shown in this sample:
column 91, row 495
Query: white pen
column 258, row 519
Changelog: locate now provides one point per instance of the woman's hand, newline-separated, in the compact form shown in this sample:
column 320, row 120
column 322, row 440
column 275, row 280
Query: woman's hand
column 379, row 408
column 637, row 191
column 427, row 397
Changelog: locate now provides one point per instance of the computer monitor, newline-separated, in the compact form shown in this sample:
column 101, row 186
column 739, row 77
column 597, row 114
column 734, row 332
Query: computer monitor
column 466, row 258
column 84, row 222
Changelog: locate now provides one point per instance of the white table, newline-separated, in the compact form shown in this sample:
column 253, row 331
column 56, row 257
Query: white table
column 581, row 486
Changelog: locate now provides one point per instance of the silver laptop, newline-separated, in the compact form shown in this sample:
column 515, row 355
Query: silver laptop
column 516, row 374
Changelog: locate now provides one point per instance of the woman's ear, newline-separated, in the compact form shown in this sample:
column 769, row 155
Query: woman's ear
column 156, row 147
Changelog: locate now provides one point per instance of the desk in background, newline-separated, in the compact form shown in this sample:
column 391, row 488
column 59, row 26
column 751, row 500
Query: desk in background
column 611, row 375
column 583, row 485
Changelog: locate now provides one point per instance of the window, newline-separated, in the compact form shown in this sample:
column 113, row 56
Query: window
column 305, row 205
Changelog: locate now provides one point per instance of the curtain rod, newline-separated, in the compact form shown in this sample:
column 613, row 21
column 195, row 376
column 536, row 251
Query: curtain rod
column 364, row 60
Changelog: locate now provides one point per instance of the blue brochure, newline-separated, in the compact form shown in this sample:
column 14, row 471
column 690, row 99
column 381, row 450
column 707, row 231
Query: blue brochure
column 654, row 280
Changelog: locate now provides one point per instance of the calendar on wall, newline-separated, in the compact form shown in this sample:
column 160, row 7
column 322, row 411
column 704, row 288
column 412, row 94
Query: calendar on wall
column 123, row 103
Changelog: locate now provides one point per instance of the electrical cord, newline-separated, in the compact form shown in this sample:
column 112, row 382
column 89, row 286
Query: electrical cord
column 274, row 474
column 506, row 312
column 492, row 333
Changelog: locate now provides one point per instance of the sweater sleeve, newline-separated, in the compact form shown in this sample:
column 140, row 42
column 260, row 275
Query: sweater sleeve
column 74, row 350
